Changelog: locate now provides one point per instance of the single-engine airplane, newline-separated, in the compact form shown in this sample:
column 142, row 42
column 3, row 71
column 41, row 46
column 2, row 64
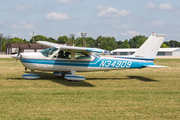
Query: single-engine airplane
column 65, row 61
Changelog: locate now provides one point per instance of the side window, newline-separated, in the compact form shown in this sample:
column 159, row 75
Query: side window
column 63, row 54
column 81, row 56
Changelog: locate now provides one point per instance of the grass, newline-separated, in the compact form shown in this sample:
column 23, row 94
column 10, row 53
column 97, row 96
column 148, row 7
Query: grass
column 125, row 94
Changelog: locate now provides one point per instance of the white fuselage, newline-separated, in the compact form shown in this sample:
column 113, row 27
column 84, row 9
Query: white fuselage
column 36, row 61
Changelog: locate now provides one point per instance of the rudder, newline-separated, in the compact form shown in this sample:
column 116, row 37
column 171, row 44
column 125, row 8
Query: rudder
column 150, row 47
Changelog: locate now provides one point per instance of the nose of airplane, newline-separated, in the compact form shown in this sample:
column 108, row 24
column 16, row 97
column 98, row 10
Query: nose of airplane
column 16, row 56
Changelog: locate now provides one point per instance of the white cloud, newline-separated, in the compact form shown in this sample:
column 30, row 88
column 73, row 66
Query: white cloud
column 58, row 16
column 24, row 7
column 32, row 20
column 31, row 34
column 14, row 35
column 68, row 1
column 101, row 7
column 157, row 23
column 23, row 25
column 123, row 27
column 177, row 34
column 150, row 6
column 111, row 12
column 78, row 34
column 2, row 21
column 110, row 35
column 166, row 6
column 131, row 33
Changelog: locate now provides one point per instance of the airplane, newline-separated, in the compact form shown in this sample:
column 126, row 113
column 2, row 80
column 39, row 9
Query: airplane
column 65, row 61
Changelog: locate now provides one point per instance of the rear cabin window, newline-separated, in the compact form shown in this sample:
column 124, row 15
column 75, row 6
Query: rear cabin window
column 81, row 56
column 48, row 52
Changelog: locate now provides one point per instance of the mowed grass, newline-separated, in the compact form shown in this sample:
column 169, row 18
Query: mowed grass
column 124, row 94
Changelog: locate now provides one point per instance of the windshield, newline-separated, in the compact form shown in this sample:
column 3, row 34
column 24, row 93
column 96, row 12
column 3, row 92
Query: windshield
column 48, row 52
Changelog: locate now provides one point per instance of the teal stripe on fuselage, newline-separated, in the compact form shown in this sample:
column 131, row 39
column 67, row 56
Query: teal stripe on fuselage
column 98, row 62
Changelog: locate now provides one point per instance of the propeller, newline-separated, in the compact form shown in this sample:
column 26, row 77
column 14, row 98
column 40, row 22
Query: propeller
column 17, row 56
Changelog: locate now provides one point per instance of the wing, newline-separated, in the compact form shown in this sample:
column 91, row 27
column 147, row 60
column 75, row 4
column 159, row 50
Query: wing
column 72, row 48
column 49, row 44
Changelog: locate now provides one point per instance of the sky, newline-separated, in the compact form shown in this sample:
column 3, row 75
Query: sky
column 121, row 19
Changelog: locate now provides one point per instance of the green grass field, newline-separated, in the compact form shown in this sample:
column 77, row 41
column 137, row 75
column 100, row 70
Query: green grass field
column 125, row 94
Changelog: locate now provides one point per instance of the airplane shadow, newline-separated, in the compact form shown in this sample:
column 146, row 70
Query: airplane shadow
column 63, row 81
column 141, row 78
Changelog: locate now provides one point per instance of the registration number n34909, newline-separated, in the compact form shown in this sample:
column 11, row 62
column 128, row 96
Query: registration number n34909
column 116, row 64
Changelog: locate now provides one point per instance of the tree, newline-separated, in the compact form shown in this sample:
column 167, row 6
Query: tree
column 62, row 39
column 125, row 44
column 164, row 46
column 119, row 43
column 38, row 38
column 12, row 40
column 137, row 41
column 3, row 44
column 78, row 42
column 90, row 42
column 18, row 40
column 107, row 43
column 50, row 39
column 172, row 43
column 167, row 44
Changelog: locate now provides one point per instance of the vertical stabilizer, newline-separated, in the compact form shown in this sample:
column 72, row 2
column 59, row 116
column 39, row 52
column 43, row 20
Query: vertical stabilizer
column 150, row 47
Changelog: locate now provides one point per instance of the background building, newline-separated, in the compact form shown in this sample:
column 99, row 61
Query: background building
column 13, row 48
column 161, row 52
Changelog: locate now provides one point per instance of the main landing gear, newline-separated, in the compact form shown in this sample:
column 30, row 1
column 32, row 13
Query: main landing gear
column 70, row 76
column 67, row 75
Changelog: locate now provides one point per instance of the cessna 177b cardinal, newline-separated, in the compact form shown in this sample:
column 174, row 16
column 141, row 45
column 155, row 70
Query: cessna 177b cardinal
column 65, row 61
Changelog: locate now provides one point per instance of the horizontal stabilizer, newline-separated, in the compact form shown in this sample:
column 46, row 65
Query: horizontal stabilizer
column 154, row 66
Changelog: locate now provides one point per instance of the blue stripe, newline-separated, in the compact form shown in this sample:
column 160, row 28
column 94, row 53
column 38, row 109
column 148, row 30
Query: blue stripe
column 98, row 62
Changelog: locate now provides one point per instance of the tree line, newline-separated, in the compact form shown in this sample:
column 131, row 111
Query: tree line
column 107, row 43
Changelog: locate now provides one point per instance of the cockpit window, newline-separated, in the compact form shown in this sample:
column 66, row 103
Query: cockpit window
column 48, row 52
column 79, row 55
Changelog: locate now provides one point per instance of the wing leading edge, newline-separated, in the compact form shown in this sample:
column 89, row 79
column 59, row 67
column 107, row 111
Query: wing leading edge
column 72, row 48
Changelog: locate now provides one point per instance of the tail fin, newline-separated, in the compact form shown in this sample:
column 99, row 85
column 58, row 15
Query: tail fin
column 150, row 47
